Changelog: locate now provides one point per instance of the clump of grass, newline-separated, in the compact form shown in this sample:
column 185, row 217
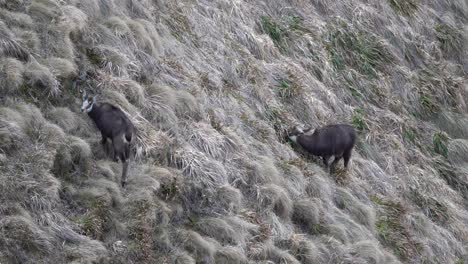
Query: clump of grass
column 450, row 38
column 94, row 57
column 287, row 88
column 391, row 231
column 141, row 230
column 230, row 255
column 363, row 51
column 358, row 120
column 437, row 87
column 428, row 104
column 40, row 81
column 214, row 120
column 431, row 207
column 272, row 28
column 440, row 141
column 72, row 159
column 410, row 134
column 12, row 4
column 306, row 214
column 170, row 190
column 404, row 7
column 11, row 75
column 93, row 222
column 280, row 30
column 278, row 119
column 452, row 177
column 277, row 200
column 295, row 22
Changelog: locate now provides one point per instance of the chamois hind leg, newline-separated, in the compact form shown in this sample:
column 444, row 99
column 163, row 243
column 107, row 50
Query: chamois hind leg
column 125, row 163
column 347, row 157
column 335, row 161
column 119, row 149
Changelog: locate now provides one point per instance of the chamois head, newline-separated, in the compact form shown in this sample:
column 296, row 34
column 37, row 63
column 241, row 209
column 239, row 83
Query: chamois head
column 88, row 102
column 294, row 133
column 297, row 131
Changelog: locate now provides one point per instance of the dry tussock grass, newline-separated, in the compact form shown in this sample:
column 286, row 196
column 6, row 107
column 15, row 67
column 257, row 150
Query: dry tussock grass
column 212, row 90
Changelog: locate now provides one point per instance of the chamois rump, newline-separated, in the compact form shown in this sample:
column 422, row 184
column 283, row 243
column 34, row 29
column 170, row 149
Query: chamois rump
column 332, row 140
column 114, row 125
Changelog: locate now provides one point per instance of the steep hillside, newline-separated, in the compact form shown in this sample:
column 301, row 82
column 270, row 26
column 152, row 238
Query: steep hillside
column 213, row 87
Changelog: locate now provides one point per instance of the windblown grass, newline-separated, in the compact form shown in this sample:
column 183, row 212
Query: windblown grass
column 350, row 47
column 213, row 88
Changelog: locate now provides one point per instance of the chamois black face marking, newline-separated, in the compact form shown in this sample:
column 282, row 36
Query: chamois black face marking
column 332, row 140
column 87, row 105
column 294, row 133
column 115, row 126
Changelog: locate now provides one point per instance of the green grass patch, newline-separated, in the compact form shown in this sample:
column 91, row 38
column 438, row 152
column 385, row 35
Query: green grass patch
column 355, row 93
column 94, row 57
column 284, row 89
column 281, row 30
column 94, row 221
column 404, row 7
column 273, row 29
column 295, row 23
column 360, row 50
column 358, row 120
column 288, row 88
column 440, row 141
column 377, row 200
column 91, row 225
column 428, row 104
column 410, row 135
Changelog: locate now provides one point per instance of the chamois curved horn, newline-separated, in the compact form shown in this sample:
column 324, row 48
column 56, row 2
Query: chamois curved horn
column 308, row 130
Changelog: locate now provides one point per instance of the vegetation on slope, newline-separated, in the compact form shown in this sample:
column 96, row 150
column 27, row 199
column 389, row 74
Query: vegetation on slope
column 213, row 87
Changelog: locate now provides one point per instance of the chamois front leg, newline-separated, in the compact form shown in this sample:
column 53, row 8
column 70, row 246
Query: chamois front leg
column 119, row 148
column 327, row 165
column 123, row 180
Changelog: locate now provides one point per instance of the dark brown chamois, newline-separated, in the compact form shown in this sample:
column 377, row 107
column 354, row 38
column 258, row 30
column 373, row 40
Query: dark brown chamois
column 332, row 140
column 114, row 125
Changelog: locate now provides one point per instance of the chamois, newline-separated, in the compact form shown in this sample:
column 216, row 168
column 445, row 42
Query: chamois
column 333, row 140
column 114, row 125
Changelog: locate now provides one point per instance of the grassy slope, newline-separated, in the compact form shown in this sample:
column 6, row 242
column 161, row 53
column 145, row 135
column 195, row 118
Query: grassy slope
column 212, row 87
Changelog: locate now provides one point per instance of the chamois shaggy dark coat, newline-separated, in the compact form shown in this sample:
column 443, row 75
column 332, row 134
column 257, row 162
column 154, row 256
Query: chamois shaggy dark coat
column 114, row 125
column 336, row 140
